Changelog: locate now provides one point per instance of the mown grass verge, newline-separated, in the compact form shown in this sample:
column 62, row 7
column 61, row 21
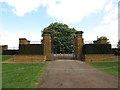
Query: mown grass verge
column 6, row 57
column 22, row 75
column 108, row 67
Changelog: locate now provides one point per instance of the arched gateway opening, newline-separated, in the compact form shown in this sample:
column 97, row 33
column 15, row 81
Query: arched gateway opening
column 61, row 52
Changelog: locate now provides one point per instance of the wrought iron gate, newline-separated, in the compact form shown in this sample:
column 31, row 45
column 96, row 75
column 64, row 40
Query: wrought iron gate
column 63, row 52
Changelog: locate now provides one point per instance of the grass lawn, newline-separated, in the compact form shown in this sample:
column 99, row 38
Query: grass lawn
column 109, row 67
column 5, row 57
column 22, row 75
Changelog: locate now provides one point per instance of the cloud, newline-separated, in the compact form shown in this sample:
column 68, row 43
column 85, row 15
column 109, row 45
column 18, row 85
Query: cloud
column 67, row 11
column 12, row 39
column 3, row 9
column 109, row 25
column 71, row 11
column 21, row 7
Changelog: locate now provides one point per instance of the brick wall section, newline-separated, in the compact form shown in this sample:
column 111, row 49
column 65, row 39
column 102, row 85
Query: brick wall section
column 100, row 57
column 29, row 58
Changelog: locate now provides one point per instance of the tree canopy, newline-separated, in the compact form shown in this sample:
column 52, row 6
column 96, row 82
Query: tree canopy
column 105, row 38
column 62, row 37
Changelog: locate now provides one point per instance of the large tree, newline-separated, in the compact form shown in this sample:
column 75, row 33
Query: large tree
column 62, row 37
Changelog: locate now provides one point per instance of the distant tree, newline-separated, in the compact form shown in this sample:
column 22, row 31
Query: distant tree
column 105, row 38
column 62, row 37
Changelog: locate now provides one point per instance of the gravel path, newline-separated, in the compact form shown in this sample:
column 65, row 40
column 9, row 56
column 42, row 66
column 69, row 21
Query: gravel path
column 75, row 74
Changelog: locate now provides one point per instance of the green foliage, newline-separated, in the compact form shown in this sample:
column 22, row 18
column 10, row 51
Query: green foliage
column 10, row 52
column 31, row 49
column 97, row 49
column 6, row 57
column 62, row 37
column 109, row 67
column 105, row 38
column 22, row 75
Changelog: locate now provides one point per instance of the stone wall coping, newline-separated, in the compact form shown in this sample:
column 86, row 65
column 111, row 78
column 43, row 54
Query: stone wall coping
column 24, row 39
column 99, row 54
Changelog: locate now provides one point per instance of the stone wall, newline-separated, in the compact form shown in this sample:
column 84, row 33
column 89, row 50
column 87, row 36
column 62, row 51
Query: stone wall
column 100, row 57
column 23, row 41
column 29, row 58
column 4, row 47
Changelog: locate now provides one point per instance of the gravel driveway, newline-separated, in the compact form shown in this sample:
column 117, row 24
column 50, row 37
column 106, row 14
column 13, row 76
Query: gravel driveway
column 75, row 74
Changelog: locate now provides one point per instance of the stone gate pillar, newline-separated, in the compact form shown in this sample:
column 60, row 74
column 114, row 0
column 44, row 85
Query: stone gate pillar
column 79, row 45
column 47, row 45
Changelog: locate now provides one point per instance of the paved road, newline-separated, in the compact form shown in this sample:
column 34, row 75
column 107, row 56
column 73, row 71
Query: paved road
column 75, row 74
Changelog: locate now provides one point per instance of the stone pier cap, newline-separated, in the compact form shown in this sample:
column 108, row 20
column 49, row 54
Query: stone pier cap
column 79, row 32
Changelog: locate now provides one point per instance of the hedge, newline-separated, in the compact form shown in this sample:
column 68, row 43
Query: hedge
column 97, row 49
column 31, row 49
column 10, row 52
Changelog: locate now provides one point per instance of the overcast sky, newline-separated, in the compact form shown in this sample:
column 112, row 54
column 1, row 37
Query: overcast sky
column 26, row 18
